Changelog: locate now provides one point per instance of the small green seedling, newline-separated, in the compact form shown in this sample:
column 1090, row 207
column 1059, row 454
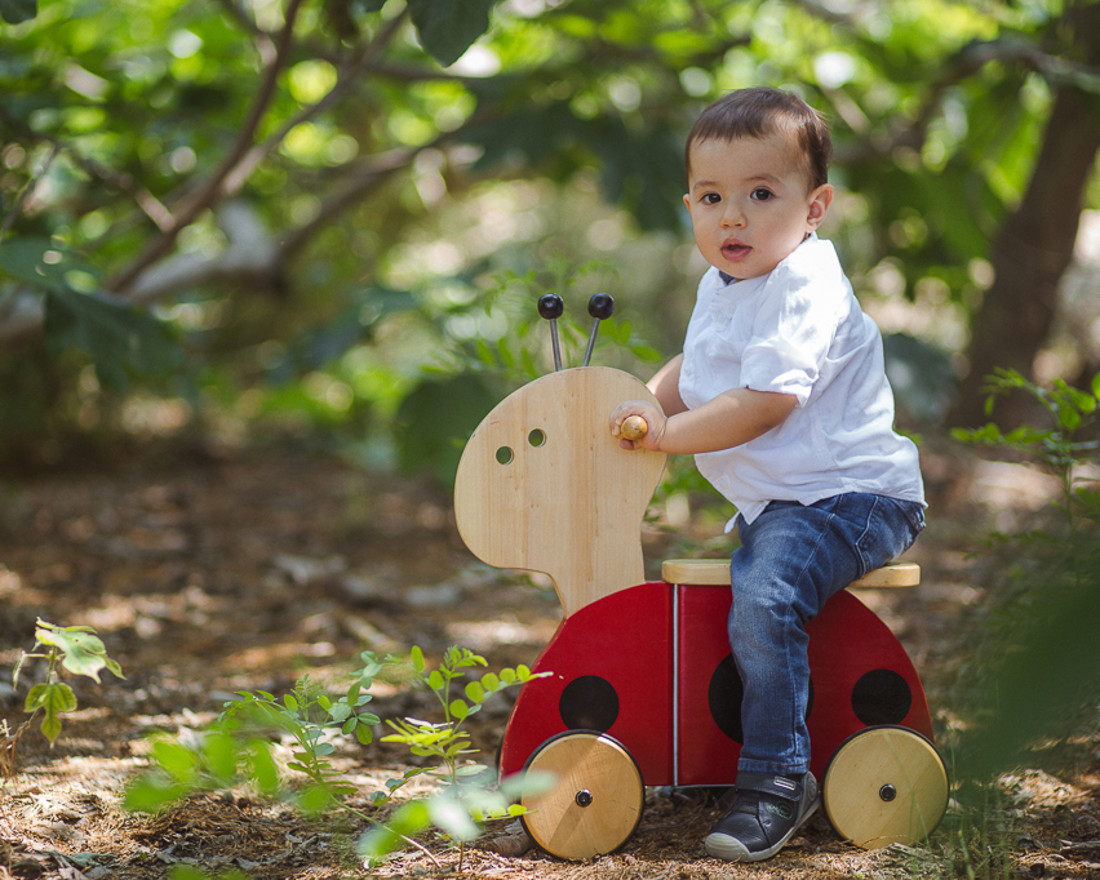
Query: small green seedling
column 74, row 649
column 467, row 795
column 239, row 748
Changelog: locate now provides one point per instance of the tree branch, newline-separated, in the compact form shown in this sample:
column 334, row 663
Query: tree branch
column 212, row 191
column 967, row 62
column 25, row 192
column 149, row 204
column 245, row 155
column 347, row 77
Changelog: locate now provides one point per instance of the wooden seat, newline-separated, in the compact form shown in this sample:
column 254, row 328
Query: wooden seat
column 710, row 572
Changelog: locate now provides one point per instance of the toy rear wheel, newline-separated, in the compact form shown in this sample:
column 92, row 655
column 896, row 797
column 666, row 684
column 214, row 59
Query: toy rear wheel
column 596, row 799
column 885, row 785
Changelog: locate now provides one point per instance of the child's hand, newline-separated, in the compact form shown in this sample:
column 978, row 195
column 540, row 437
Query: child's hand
column 653, row 419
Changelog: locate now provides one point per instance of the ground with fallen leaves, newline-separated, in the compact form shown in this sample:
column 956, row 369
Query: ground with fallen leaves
column 219, row 574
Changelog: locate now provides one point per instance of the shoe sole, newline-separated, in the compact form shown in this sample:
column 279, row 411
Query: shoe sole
column 730, row 849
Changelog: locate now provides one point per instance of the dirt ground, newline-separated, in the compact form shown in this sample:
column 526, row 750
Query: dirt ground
column 219, row 574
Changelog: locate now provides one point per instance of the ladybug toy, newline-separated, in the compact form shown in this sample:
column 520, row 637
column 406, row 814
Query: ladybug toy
column 642, row 689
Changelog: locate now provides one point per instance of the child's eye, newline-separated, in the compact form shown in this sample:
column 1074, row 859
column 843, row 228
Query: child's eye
column 761, row 194
column 711, row 199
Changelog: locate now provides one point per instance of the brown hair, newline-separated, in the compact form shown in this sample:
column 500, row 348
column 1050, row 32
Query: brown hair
column 759, row 112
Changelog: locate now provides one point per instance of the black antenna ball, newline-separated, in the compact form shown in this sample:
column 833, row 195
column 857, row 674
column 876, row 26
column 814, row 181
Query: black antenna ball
column 601, row 306
column 551, row 306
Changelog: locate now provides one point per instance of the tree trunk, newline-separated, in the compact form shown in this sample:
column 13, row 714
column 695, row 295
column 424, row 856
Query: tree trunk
column 1035, row 245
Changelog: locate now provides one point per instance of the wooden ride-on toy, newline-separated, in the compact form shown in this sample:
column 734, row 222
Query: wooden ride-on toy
column 642, row 689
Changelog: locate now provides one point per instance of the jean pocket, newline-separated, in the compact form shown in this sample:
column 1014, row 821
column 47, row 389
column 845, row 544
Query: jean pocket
column 914, row 512
column 892, row 527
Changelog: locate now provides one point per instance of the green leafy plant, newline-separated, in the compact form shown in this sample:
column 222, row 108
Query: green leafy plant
column 1038, row 667
column 238, row 748
column 467, row 795
column 1055, row 446
column 74, row 649
column 491, row 341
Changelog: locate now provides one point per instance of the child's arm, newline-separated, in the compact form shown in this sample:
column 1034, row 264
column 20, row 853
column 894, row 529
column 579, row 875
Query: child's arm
column 665, row 386
column 730, row 419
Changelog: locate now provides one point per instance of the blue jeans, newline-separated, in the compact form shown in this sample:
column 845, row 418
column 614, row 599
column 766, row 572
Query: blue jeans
column 792, row 558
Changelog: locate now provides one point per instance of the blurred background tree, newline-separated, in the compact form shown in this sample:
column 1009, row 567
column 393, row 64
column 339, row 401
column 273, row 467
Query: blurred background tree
column 327, row 220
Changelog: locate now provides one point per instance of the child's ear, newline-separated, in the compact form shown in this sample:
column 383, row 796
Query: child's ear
column 820, row 199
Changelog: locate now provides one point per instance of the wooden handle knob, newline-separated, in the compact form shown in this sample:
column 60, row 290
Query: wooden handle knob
column 633, row 428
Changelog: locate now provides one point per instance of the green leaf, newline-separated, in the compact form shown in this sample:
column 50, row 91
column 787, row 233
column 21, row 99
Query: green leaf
column 411, row 818
column 435, row 418
column 33, row 259
column 435, row 680
column 18, row 11
column 121, row 340
column 447, row 28
column 175, row 759
column 408, row 820
column 83, row 652
column 450, row 815
column 1069, row 418
column 459, row 709
column 58, row 695
column 220, row 751
column 416, row 656
column 315, row 799
column 53, row 699
column 471, row 770
column 264, row 770
column 475, row 692
column 152, row 792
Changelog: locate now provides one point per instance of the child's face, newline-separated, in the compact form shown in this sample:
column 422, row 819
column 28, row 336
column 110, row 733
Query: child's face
column 750, row 202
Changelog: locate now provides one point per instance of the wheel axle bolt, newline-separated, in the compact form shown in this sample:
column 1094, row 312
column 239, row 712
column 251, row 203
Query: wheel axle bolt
column 583, row 798
column 888, row 792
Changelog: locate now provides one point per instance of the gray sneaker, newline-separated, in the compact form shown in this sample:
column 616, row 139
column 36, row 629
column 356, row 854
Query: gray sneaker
column 765, row 813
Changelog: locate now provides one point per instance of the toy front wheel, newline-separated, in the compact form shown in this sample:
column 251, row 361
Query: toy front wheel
column 885, row 785
column 596, row 798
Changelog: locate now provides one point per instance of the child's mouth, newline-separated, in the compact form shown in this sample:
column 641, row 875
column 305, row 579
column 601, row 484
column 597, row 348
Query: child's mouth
column 735, row 251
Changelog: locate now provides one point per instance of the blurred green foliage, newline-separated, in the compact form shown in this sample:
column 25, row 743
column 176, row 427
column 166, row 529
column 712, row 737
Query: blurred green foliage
column 331, row 220
column 1034, row 676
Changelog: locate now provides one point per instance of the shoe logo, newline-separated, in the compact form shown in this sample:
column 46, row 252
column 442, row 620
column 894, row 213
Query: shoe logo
column 782, row 810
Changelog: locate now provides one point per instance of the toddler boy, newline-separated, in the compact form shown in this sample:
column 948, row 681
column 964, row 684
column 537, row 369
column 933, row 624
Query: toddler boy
column 781, row 395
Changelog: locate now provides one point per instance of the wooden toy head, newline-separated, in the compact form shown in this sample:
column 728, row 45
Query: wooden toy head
column 543, row 486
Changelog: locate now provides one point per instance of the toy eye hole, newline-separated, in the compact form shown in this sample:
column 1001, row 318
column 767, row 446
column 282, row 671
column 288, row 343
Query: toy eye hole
column 537, row 437
column 505, row 455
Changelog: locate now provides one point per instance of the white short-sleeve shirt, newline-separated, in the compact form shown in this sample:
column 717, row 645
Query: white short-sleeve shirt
column 798, row 330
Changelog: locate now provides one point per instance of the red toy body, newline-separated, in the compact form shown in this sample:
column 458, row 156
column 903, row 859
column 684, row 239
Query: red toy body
column 651, row 667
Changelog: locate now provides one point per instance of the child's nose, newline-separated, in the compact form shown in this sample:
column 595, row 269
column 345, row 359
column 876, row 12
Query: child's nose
column 733, row 217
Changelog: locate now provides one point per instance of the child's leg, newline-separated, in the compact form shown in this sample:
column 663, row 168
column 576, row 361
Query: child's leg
column 792, row 559
column 789, row 563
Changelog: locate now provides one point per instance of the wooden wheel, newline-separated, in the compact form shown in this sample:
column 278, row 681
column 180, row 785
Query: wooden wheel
column 885, row 785
column 596, row 799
